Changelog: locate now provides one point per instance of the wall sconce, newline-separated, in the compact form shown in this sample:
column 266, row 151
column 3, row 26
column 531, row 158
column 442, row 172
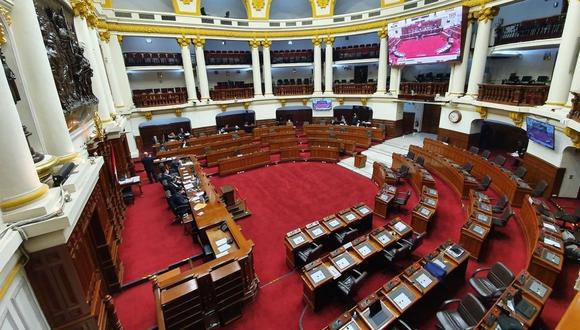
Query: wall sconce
column 160, row 77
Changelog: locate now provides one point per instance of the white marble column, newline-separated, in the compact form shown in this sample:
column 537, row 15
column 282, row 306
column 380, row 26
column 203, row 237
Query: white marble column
column 37, row 76
column 267, row 67
column 575, row 86
column 102, row 74
column 328, row 62
column 459, row 70
column 82, row 31
column 187, row 69
column 121, row 70
column 395, row 80
column 485, row 17
column 383, row 63
column 201, row 69
column 105, row 38
column 257, row 79
column 19, row 181
column 317, row 66
column 566, row 58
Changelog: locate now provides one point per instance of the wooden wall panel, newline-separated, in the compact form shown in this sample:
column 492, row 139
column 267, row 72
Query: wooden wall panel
column 538, row 170
column 265, row 122
column 393, row 128
column 431, row 114
column 459, row 139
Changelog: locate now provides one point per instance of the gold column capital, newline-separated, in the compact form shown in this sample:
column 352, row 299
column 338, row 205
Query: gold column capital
column 223, row 107
column 382, row 33
column 266, row 43
column 574, row 136
column 178, row 112
column 120, row 38
column 317, row 41
column 246, row 105
column 329, row 41
column 254, row 43
column 148, row 115
column 105, row 36
column 482, row 112
column 517, row 118
column 198, row 41
column 486, row 14
column 6, row 14
column 183, row 41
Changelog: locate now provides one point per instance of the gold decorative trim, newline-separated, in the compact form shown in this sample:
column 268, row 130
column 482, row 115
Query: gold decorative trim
column 223, row 107
column 517, row 118
column 254, row 43
column 148, row 115
column 283, row 102
column 574, row 136
column 105, row 36
column 183, row 41
column 246, row 105
column 6, row 14
column 10, row 278
column 329, row 41
column 178, row 112
column 68, row 158
column 382, row 33
column 258, row 5
column 486, row 14
column 266, row 43
column 24, row 199
column 177, row 9
column 108, row 4
column 482, row 112
column 322, row 4
column 364, row 101
column 120, row 38
column 304, row 101
column 341, row 100
column 317, row 41
column 44, row 169
column 386, row 4
column 198, row 41
column 559, row 104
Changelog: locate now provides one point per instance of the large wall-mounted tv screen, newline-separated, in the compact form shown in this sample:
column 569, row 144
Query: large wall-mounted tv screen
column 432, row 38
column 322, row 104
column 540, row 132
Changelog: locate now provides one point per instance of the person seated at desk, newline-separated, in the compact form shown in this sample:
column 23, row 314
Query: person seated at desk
column 224, row 129
column 180, row 202
column 149, row 166
column 342, row 120
column 289, row 122
column 172, row 136
column 335, row 121
column 355, row 121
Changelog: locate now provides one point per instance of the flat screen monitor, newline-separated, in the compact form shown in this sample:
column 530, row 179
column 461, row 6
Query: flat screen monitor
column 322, row 104
column 540, row 132
column 432, row 38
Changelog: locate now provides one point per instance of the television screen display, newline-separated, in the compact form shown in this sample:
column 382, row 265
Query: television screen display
column 540, row 132
column 322, row 104
column 432, row 38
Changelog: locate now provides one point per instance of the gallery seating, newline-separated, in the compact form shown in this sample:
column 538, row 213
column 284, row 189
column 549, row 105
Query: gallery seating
column 310, row 253
column 485, row 154
column 149, row 59
column 354, row 52
column 492, row 285
column 467, row 167
column 230, row 57
column 143, row 98
column 292, row 56
column 468, row 313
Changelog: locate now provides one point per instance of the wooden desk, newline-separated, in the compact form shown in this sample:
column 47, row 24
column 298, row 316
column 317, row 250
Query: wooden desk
column 571, row 317
column 383, row 199
column 502, row 180
column 288, row 154
column 264, row 130
column 344, row 146
column 201, row 150
column 241, row 163
column 382, row 175
column 214, row 292
column 412, row 294
column 213, row 157
column 421, row 217
column 360, row 161
column 419, row 177
column 276, row 145
column 324, row 154
column 446, row 169
column 545, row 262
column 473, row 238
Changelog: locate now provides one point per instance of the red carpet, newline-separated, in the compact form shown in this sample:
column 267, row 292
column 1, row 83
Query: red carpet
column 287, row 196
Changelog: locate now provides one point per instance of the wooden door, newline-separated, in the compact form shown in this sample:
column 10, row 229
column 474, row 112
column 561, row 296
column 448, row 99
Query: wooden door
column 408, row 122
column 431, row 114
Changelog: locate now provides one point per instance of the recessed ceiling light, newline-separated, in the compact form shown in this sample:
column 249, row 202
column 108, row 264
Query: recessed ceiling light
column 148, row 40
column 289, row 42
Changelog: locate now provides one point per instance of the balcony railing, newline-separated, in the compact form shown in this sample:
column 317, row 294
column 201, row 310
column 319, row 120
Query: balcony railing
column 147, row 59
column 355, row 88
column 542, row 28
column 527, row 95
column 231, row 93
column 292, row 56
column 422, row 90
column 230, row 57
column 356, row 52
column 159, row 97
column 284, row 90
column 575, row 112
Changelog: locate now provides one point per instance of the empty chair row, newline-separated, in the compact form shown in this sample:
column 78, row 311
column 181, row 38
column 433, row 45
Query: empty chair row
column 292, row 81
column 145, row 59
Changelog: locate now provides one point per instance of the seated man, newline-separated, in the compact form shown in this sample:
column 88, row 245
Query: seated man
column 355, row 120
column 342, row 120
column 180, row 202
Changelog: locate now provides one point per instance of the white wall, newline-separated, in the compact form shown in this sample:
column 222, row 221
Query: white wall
column 244, row 75
column 351, row 6
column 141, row 44
column 150, row 5
column 417, row 109
column 464, row 125
column 526, row 10
column 571, row 181
column 346, row 72
column 528, row 63
column 411, row 71
column 219, row 8
column 150, row 79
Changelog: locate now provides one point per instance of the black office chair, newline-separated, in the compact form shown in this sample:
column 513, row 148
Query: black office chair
column 567, row 217
column 402, row 173
column 403, row 248
column 410, row 155
column 499, row 207
column 499, row 160
column 468, row 313
column 490, row 287
column 346, row 235
column 485, row 182
column 544, row 210
column 467, row 167
column 310, row 253
column 444, row 139
column 401, row 199
column 128, row 196
column 348, row 284
column 420, row 160
column 503, row 219
column 474, row 149
column 520, row 172
column 485, row 154
column 539, row 189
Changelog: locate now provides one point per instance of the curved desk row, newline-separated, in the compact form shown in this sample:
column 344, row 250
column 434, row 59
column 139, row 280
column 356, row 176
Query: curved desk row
column 544, row 243
column 447, row 170
column 320, row 276
column 214, row 292
column 241, row 163
column 382, row 175
column 212, row 158
column 413, row 295
column 344, row 146
column 502, row 180
column 265, row 130
column 276, row 145
column 477, row 228
column 202, row 140
column 201, row 150
column 375, row 133
column 419, row 176
column 282, row 135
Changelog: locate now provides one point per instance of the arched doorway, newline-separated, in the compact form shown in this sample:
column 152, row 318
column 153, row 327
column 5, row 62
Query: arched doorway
column 501, row 137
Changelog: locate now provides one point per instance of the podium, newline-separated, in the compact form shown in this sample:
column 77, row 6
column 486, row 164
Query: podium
column 360, row 160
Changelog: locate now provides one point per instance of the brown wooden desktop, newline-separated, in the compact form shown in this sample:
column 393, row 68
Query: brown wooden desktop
column 423, row 213
column 201, row 150
column 214, row 156
column 545, row 260
column 324, row 154
column 345, row 146
column 382, row 175
column 241, row 163
column 477, row 228
column 264, row 130
column 502, row 180
column 419, row 177
column 283, row 135
column 202, row 140
column 419, row 295
column 376, row 133
column 446, row 169
column 214, row 292
column 288, row 154
column 276, row 145
column 383, row 199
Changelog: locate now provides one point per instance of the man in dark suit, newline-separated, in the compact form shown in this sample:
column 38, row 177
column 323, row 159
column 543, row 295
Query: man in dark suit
column 147, row 161
column 180, row 202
